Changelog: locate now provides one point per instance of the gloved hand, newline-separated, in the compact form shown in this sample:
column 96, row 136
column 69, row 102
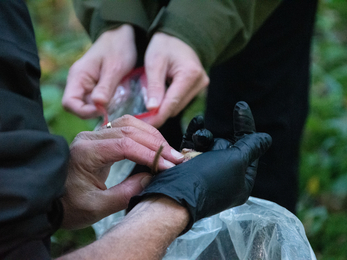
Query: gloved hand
column 215, row 180
column 200, row 139
column 197, row 137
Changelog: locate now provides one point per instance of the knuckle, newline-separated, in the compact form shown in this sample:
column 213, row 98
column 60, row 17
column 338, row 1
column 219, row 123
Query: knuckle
column 82, row 136
column 205, row 80
column 175, row 106
column 103, row 88
column 155, row 86
column 116, row 67
column 175, row 101
column 79, row 148
column 157, row 143
column 125, row 120
column 124, row 144
column 154, row 61
column 65, row 103
column 175, row 112
column 156, row 132
column 127, row 130
column 75, row 68
column 195, row 70
column 118, row 147
column 128, row 192
column 150, row 155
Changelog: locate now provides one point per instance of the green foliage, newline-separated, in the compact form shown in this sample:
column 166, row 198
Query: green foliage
column 323, row 169
column 61, row 41
column 65, row 241
column 333, row 238
column 323, row 179
column 59, row 121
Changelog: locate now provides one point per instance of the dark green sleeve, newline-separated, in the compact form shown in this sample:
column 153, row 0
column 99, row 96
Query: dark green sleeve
column 98, row 16
column 216, row 30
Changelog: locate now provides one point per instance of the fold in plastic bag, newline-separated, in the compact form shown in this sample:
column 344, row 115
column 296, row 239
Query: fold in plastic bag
column 258, row 229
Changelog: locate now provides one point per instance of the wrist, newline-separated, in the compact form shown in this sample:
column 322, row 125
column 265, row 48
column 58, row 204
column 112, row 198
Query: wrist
column 164, row 211
column 145, row 233
column 147, row 230
column 125, row 30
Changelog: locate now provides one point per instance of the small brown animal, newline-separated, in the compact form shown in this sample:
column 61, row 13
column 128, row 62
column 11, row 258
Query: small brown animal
column 188, row 154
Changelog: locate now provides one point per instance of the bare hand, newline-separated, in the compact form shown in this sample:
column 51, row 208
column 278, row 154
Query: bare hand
column 87, row 198
column 169, row 58
column 95, row 77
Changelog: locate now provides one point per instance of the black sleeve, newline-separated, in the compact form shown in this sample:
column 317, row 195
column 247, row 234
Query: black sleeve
column 33, row 163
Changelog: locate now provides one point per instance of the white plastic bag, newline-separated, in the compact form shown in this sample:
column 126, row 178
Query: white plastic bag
column 258, row 229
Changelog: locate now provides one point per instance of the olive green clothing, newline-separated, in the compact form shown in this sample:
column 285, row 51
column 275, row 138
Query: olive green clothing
column 216, row 30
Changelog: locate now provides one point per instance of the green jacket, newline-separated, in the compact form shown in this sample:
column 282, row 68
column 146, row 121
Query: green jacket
column 215, row 29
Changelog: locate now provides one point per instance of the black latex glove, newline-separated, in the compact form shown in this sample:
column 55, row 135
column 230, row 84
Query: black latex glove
column 216, row 180
column 197, row 137
column 200, row 139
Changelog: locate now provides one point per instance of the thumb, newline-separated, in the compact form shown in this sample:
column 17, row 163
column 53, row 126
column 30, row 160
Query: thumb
column 109, row 80
column 156, row 77
column 253, row 146
column 118, row 196
column 243, row 120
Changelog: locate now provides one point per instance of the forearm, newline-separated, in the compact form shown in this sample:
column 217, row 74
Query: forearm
column 145, row 232
column 98, row 16
column 216, row 30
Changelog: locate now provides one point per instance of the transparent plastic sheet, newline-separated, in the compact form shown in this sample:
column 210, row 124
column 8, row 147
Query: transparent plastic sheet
column 258, row 229
column 119, row 171
column 129, row 98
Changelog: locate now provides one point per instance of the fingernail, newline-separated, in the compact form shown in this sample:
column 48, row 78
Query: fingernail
column 99, row 96
column 145, row 181
column 152, row 103
column 177, row 155
column 168, row 164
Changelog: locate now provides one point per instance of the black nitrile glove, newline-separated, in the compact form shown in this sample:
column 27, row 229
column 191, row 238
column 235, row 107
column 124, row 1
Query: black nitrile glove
column 215, row 180
column 197, row 137
column 243, row 125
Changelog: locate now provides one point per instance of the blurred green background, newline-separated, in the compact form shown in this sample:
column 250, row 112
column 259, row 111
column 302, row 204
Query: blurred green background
column 323, row 179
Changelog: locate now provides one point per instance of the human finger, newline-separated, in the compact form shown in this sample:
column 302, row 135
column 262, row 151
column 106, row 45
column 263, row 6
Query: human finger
column 252, row 146
column 156, row 73
column 220, row 144
column 116, row 198
column 105, row 152
column 111, row 74
column 185, row 85
column 80, row 83
column 243, row 120
column 139, row 137
column 139, row 131
column 187, row 82
column 195, row 124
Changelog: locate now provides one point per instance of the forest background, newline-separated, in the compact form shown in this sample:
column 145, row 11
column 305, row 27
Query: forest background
column 323, row 169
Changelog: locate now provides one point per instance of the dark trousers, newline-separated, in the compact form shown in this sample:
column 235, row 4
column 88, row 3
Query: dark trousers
column 272, row 75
